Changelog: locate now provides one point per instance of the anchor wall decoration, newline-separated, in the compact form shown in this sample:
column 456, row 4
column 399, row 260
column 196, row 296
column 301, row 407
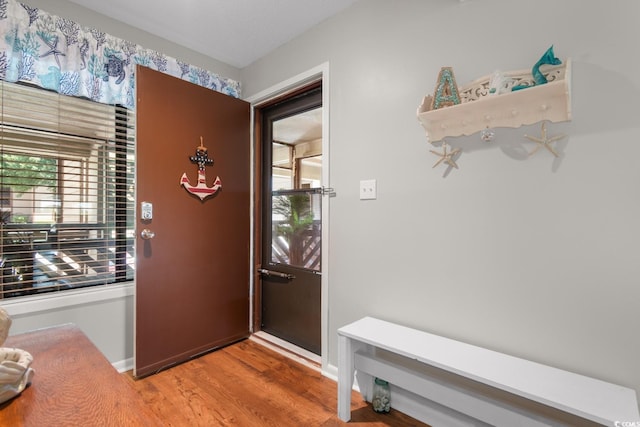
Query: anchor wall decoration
column 201, row 190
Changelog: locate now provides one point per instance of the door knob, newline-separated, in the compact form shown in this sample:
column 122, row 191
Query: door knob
column 147, row 234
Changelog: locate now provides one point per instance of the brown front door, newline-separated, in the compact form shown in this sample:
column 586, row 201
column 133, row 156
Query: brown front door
column 192, row 269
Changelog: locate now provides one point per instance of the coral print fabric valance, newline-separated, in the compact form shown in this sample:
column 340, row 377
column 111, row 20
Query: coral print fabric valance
column 58, row 54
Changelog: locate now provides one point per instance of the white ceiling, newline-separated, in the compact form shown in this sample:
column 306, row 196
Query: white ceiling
column 300, row 128
column 236, row 32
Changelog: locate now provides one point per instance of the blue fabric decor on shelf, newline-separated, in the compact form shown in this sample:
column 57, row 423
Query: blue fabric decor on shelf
column 549, row 58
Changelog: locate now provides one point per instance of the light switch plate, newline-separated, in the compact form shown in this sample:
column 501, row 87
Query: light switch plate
column 368, row 189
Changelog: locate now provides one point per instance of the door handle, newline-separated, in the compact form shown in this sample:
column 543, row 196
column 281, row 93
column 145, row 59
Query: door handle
column 147, row 234
column 266, row 272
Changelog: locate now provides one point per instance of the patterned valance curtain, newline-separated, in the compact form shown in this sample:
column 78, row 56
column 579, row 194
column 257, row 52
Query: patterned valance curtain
column 59, row 54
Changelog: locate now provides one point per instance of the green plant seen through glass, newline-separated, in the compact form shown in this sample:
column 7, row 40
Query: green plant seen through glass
column 297, row 215
column 22, row 172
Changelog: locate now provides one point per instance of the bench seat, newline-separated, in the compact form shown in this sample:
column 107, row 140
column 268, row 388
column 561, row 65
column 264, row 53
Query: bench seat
column 366, row 344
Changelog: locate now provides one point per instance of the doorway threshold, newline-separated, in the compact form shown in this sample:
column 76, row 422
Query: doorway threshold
column 288, row 350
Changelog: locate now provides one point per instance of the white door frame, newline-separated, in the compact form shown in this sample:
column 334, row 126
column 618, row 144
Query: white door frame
column 320, row 72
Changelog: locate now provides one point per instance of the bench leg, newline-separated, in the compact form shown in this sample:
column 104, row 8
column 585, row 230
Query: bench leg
column 345, row 377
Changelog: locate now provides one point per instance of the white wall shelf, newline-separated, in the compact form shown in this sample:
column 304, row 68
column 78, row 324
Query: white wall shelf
column 479, row 109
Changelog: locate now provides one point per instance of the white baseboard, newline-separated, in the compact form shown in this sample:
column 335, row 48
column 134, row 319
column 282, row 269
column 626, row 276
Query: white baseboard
column 123, row 365
column 430, row 412
column 330, row 371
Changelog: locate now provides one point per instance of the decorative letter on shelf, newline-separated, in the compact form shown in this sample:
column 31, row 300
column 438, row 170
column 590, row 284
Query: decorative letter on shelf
column 446, row 93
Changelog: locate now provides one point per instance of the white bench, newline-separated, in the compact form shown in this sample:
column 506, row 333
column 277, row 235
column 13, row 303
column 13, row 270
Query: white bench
column 489, row 386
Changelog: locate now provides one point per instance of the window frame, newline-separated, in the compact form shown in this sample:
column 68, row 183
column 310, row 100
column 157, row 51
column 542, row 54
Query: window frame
column 120, row 141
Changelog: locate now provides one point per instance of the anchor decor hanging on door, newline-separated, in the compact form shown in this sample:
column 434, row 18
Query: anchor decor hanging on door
column 201, row 190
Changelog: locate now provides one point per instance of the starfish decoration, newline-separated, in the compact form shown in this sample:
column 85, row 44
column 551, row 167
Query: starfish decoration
column 544, row 141
column 446, row 157
column 53, row 49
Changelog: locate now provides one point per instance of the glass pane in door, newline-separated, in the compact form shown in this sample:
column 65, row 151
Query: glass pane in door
column 295, row 234
column 282, row 167
column 310, row 171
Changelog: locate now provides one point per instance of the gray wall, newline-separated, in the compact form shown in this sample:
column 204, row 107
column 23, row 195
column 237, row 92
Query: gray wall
column 535, row 257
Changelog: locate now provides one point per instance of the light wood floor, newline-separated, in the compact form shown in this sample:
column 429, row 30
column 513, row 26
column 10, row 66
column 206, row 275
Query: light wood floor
column 248, row 384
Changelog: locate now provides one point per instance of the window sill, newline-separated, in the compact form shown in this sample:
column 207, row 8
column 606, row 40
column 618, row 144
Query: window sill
column 35, row 304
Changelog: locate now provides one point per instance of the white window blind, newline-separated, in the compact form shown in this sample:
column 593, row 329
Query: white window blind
column 66, row 192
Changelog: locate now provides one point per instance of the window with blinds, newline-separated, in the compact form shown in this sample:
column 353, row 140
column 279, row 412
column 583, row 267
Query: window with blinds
column 66, row 192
